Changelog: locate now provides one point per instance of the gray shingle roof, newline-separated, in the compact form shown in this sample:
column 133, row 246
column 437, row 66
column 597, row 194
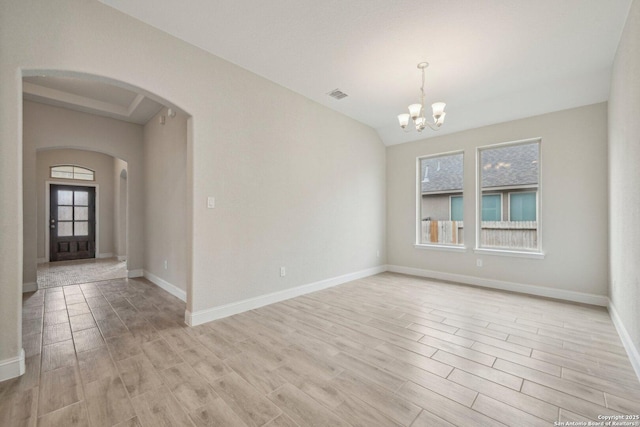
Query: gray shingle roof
column 508, row 166
column 441, row 173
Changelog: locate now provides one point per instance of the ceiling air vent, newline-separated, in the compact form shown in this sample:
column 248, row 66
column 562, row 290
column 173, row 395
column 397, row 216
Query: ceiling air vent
column 337, row 94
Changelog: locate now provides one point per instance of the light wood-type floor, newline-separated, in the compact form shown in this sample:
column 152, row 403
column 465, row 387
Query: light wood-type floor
column 388, row 350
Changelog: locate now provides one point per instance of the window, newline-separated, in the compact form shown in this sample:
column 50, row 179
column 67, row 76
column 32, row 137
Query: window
column 522, row 206
column 439, row 195
column 456, row 208
column 491, row 207
column 510, row 170
column 72, row 172
column 73, row 213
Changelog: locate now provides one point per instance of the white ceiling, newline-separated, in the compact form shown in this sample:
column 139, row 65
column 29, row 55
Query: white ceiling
column 90, row 96
column 491, row 60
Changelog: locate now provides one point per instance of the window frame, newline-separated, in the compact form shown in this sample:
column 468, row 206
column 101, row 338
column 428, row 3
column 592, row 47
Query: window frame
column 418, row 198
column 73, row 172
column 537, row 253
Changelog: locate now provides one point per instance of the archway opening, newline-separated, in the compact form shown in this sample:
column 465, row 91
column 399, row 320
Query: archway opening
column 146, row 138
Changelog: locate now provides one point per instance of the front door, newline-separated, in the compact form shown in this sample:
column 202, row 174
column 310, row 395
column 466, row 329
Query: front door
column 72, row 222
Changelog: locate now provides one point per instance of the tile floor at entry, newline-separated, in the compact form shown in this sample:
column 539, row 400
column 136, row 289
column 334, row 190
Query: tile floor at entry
column 61, row 273
column 387, row 350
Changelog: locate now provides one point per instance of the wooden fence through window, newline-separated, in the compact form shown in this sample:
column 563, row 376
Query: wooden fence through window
column 494, row 234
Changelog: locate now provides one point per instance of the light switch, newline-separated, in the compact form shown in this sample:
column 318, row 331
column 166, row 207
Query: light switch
column 211, row 202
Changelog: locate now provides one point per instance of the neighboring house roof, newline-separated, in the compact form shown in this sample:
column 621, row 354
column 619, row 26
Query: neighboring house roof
column 509, row 166
column 440, row 174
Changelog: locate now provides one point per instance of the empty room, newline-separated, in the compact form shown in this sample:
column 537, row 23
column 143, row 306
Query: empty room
column 319, row 213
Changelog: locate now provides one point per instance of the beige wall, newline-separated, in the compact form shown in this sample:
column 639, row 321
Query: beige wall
column 47, row 127
column 103, row 167
column 296, row 184
column 573, row 202
column 165, row 198
column 624, row 178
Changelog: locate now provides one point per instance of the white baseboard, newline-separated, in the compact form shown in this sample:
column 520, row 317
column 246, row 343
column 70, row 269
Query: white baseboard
column 135, row 273
column 29, row 287
column 41, row 260
column 122, row 258
column 208, row 315
column 542, row 291
column 105, row 255
column 172, row 289
column 632, row 351
column 11, row 368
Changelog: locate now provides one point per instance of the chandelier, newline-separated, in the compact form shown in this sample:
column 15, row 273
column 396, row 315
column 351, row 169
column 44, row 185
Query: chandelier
column 416, row 111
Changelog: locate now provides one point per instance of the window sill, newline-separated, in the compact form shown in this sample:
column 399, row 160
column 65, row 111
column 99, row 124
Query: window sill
column 448, row 248
column 506, row 252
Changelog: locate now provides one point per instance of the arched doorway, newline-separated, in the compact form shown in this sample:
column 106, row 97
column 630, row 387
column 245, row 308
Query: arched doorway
column 76, row 111
column 121, row 212
column 51, row 126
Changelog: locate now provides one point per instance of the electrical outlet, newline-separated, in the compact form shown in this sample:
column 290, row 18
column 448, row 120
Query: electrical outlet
column 479, row 262
column 211, row 202
column 166, row 264
column 283, row 272
column 378, row 254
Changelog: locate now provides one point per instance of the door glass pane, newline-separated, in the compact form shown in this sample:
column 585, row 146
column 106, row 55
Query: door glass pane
column 456, row 208
column 523, row 207
column 65, row 213
column 491, row 207
column 65, row 229
column 81, row 214
column 81, row 198
column 81, row 228
column 65, row 197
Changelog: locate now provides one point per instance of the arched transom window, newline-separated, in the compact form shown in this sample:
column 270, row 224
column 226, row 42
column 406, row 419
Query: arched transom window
column 72, row 172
